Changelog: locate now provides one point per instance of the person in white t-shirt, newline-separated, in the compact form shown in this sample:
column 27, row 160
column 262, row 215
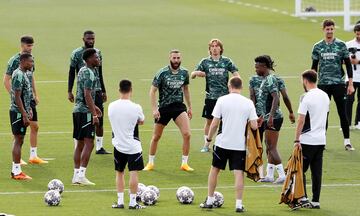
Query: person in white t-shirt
column 310, row 133
column 125, row 116
column 235, row 111
column 354, row 48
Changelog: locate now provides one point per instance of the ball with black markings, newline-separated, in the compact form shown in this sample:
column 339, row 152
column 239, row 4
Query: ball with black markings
column 52, row 198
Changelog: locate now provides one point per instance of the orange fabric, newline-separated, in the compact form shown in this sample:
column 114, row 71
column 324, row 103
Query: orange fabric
column 293, row 188
column 254, row 152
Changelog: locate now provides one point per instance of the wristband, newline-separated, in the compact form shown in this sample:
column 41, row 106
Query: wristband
column 296, row 141
column 208, row 140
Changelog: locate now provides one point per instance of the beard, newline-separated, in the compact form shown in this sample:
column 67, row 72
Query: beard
column 89, row 45
column 175, row 66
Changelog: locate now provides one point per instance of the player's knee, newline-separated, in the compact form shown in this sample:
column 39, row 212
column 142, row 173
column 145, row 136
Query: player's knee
column 156, row 137
column 34, row 127
column 187, row 135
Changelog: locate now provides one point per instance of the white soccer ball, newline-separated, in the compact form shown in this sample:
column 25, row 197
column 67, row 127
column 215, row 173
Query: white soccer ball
column 56, row 184
column 149, row 197
column 219, row 199
column 155, row 189
column 185, row 195
column 140, row 190
column 52, row 198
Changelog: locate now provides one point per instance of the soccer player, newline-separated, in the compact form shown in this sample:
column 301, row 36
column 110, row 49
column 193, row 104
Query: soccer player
column 271, row 115
column 328, row 56
column 172, row 82
column 310, row 133
column 85, row 115
column 125, row 116
column 354, row 47
column 235, row 111
column 20, row 111
column 27, row 44
column 76, row 63
column 215, row 69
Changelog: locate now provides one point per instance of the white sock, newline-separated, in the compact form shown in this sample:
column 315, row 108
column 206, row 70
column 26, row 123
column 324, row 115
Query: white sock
column 184, row 159
column 33, row 152
column 238, row 203
column 151, row 159
column 16, row 168
column 132, row 200
column 82, row 171
column 99, row 143
column 280, row 170
column 75, row 143
column 120, row 198
column 76, row 172
column 346, row 141
column 210, row 200
column 270, row 170
column 261, row 171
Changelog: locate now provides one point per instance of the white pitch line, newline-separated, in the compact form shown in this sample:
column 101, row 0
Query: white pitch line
column 194, row 188
column 146, row 130
column 51, row 81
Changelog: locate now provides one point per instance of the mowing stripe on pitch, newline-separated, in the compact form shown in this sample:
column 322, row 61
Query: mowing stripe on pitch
column 194, row 188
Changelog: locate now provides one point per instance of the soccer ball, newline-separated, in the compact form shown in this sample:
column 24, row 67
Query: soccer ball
column 149, row 197
column 56, row 184
column 140, row 190
column 155, row 189
column 185, row 195
column 219, row 199
column 52, row 198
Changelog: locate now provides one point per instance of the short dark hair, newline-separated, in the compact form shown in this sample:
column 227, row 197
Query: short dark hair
column 88, row 32
column 25, row 56
column 357, row 27
column 27, row 39
column 235, row 82
column 174, row 51
column 310, row 75
column 328, row 22
column 266, row 59
column 125, row 86
column 88, row 53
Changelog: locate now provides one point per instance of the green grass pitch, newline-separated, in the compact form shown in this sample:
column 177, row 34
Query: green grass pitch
column 135, row 37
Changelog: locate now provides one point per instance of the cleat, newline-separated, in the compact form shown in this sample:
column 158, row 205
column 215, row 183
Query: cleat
column 21, row 176
column 137, row 206
column 118, row 206
column 348, row 147
column 149, row 167
column 204, row 205
column 240, row 210
column 83, row 181
column 279, row 180
column 75, row 181
column 304, row 203
column 102, row 151
column 315, row 205
column 205, row 149
column 266, row 179
column 294, row 206
column 186, row 167
column 37, row 160
column 22, row 162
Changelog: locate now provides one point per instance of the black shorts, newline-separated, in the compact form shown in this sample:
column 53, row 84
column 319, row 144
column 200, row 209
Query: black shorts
column 99, row 103
column 221, row 156
column 134, row 161
column 34, row 111
column 172, row 111
column 277, row 123
column 17, row 124
column 208, row 108
column 83, row 126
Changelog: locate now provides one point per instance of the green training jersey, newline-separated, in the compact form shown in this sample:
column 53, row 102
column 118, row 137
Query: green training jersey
column 14, row 64
column 330, row 57
column 77, row 62
column 170, row 85
column 255, row 83
column 268, row 86
column 217, row 75
column 20, row 82
column 86, row 80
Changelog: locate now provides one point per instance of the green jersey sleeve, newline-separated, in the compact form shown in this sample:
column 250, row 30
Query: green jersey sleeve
column 17, row 81
column 186, row 82
column 315, row 53
column 272, row 85
column 73, row 60
column 200, row 66
column 344, row 51
column 89, row 79
column 157, row 80
column 231, row 66
column 281, row 83
column 11, row 67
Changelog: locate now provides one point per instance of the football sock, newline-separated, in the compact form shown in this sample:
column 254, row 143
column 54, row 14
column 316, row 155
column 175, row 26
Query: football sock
column 16, row 168
column 151, row 159
column 261, row 171
column 280, row 170
column 346, row 141
column 132, row 200
column 99, row 143
column 238, row 203
column 76, row 172
column 270, row 170
column 210, row 200
column 33, row 152
column 120, row 198
column 184, row 159
column 82, row 171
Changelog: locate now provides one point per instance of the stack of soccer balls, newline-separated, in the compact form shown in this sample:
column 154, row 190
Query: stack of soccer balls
column 185, row 195
column 52, row 197
column 148, row 195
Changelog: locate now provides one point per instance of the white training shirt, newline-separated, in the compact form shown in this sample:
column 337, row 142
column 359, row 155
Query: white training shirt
column 124, row 116
column 315, row 106
column 356, row 73
column 235, row 111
